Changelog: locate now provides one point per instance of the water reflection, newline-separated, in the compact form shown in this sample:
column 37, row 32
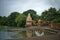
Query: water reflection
column 4, row 34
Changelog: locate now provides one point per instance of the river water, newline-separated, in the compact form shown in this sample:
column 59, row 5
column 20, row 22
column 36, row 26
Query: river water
column 4, row 34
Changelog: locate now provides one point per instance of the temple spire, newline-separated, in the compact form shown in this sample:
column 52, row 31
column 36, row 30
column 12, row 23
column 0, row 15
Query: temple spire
column 29, row 17
column 29, row 14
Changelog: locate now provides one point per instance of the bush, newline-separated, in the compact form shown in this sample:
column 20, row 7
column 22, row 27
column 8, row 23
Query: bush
column 56, row 20
column 1, row 27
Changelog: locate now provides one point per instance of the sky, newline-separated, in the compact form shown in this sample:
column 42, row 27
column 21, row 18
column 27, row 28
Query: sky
column 9, row 6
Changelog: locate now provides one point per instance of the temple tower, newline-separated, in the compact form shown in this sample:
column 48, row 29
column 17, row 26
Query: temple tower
column 29, row 20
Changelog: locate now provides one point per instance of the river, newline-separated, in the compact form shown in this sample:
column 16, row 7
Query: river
column 4, row 34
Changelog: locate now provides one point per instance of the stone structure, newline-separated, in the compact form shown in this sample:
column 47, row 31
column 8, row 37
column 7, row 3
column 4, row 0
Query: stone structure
column 29, row 20
column 29, row 24
column 39, row 22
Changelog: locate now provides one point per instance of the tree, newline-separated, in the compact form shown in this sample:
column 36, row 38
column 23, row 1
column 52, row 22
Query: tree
column 0, row 20
column 32, row 13
column 21, row 20
column 58, row 13
column 11, row 19
column 50, row 14
column 3, row 20
column 57, row 18
column 44, row 15
column 29, row 11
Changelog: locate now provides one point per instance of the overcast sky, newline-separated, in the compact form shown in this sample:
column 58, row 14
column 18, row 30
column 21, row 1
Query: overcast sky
column 8, row 6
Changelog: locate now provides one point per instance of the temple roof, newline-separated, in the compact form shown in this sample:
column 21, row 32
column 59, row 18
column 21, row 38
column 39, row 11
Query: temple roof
column 29, row 17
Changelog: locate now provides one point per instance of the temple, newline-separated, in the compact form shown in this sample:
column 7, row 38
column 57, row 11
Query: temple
column 32, row 29
column 29, row 20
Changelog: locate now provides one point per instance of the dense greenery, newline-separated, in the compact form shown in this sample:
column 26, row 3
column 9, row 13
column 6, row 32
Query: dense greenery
column 1, row 27
column 52, row 15
column 33, row 14
column 11, row 19
column 3, row 20
column 19, row 19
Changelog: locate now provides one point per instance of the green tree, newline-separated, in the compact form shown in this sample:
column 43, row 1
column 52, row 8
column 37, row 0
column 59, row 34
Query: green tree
column 3, row 20
column 11, row 19
column 0, row 20
column 44, row 15
column 32, row 13
column 58, row 13
column 21, row 20
column 57, row 18
column 50, row 14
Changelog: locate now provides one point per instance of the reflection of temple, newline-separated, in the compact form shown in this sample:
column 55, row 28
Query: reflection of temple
column 29, row 24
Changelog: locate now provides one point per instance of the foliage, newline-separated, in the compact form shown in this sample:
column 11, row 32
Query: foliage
column 21, row 20
column 18, row 19
column 11, row 19
column 3, row 20
column 56, row 20
column 51, row 15
column 1, row 27
column 33, row 14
